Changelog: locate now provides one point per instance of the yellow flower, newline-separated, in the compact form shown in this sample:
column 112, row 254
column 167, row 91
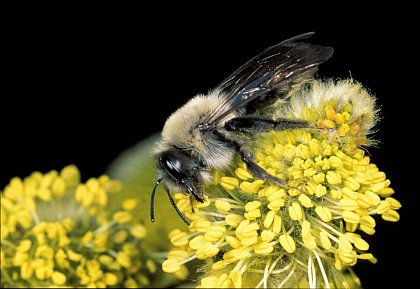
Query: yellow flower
column 308, row 234
column 57, row 231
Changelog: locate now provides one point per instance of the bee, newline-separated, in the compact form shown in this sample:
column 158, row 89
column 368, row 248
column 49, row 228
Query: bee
column 209, row 130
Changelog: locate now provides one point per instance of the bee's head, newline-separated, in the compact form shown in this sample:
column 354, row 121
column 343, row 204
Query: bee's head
column 180, row 173
column 175, row 166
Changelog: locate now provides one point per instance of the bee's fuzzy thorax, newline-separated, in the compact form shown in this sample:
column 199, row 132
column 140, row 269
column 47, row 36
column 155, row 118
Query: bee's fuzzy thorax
column 180, row 132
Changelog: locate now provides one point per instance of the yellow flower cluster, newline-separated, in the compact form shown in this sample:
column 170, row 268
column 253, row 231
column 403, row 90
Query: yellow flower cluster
column 56, row 231
column 256, row 234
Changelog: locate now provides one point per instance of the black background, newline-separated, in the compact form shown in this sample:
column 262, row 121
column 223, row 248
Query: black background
column 81, row 85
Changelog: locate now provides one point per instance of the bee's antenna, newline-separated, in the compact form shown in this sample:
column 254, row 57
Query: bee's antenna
column 177, row 210
column 152, row 204
column 152, row 201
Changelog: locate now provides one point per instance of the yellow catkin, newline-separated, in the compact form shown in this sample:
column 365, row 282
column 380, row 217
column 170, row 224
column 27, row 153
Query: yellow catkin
column 47, row 251
column 254, row 230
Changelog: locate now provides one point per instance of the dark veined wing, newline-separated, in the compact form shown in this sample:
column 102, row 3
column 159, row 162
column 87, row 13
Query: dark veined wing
column 278, row 67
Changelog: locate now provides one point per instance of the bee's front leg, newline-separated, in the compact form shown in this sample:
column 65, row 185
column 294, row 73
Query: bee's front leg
column 192, row 204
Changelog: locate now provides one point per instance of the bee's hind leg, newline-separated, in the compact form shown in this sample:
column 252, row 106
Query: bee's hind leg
column 259, row 124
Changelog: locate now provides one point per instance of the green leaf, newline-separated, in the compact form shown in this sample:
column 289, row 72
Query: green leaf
column 135, row 168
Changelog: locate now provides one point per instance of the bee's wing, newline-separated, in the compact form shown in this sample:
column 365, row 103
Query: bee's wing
column 278, row 67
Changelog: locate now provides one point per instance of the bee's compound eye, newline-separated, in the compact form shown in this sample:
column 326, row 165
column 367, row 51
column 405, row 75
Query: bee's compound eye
column 172, row 166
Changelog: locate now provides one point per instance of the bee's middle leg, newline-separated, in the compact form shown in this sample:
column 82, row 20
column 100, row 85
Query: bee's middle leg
column 248, row 158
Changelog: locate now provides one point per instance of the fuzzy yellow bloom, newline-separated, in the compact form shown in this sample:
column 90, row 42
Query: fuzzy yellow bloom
column 57, row 231
column 306, row 234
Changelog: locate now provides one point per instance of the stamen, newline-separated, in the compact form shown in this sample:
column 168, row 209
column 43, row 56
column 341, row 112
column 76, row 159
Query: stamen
column 292, row 271
column 324, row 275
column 283, row 269
column 186, row 260
column 35, row 217
column 266, row 274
